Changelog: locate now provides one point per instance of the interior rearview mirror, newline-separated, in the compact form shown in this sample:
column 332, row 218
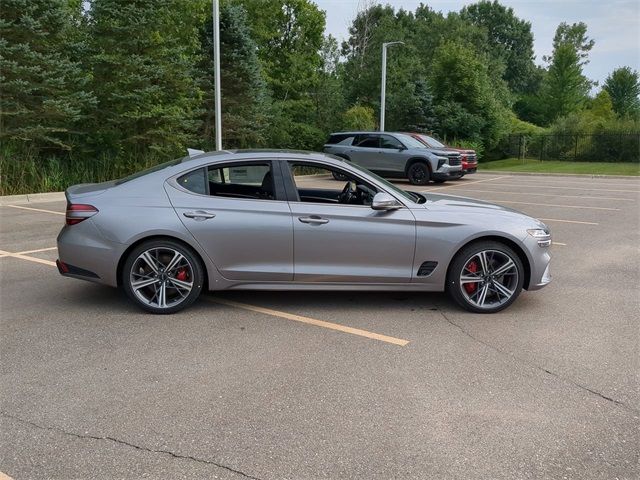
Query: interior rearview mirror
column 384, row 201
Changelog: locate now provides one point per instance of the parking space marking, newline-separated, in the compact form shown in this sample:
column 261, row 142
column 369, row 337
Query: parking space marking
column 4, row 476
column 556, row 205
column 311, row 321
column 585, row 197
column 567, row 221
column 464, row 184
column 38, row 250
column 25, row 257
column 558, row 243
column 597, row 181
column 35, row 209
column 550, row 186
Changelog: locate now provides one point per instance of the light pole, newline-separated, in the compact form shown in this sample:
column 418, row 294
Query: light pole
column 216, row 75
column 383, row 86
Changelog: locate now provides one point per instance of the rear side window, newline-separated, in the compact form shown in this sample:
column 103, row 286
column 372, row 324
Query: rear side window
column 368, row 141
column 340, row 139
column 194, row 181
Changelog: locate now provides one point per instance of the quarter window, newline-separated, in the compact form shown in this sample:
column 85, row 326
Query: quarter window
column 253, row 181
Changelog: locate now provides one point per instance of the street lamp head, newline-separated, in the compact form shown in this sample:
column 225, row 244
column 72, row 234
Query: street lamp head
column 388, row 44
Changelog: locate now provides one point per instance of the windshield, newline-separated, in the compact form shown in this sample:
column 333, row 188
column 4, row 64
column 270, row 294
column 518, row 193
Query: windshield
column 413, row 197
column 409, row 141
column 155, row 168
column 432, row 141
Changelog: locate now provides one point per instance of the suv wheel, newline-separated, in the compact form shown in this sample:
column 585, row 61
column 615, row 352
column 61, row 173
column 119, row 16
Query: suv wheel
column 485, row 277
column 162, row 276
column 418, row 174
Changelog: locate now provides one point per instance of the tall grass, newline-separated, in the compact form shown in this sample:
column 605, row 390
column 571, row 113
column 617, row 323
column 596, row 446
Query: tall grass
column 27, row 172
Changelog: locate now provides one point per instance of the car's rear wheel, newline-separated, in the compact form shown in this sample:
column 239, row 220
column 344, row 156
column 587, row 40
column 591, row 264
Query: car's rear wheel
column 162, row 276
column 485, row 277
column 418, row 173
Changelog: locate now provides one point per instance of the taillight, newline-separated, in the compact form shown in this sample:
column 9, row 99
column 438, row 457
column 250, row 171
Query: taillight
column 77, row 212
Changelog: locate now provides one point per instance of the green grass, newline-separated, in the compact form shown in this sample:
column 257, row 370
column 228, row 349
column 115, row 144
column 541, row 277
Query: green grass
column 554, row 166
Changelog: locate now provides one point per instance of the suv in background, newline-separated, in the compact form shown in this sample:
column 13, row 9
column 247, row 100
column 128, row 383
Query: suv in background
column 395, row 155
column 468, row 157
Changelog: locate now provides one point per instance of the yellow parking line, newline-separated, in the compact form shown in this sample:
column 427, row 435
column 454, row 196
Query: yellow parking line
column 585, row 197
column 35, row 209
column 560, row 188
column 464, row 184
column 25, row 257
column 38, row 250
column 311, row 321
column 567, row 221
column 556, row 205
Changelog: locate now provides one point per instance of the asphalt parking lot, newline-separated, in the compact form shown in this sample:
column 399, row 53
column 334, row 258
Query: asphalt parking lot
column 296, row 385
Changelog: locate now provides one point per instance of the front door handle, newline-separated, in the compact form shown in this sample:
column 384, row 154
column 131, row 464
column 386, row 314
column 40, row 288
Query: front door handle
column 199, row 215
column 314, row 219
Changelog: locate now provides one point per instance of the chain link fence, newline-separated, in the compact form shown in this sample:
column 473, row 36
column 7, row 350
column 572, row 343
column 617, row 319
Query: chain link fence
column 597, row 147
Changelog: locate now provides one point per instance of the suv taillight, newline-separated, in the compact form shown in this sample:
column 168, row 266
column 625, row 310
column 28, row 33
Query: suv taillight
column 77, row 212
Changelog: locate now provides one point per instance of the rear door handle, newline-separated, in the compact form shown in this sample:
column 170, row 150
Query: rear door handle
column 199, row 215
column 314, row 219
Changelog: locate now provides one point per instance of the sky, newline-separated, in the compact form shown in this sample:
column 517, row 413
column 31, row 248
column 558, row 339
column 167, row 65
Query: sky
column 613, row 24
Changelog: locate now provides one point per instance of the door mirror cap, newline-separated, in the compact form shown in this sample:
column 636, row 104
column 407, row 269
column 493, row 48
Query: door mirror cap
column 384, row 201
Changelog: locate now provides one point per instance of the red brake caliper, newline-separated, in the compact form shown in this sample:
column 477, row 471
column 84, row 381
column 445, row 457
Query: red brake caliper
column 473, row 268
column 182, row 274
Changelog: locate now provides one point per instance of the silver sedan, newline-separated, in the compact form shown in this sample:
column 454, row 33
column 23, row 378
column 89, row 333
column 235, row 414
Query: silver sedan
column 274, row 220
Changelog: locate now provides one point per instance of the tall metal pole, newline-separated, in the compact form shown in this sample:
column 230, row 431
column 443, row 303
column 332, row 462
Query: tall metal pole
column 216, row 64
column 383, row 83
column 383, row 86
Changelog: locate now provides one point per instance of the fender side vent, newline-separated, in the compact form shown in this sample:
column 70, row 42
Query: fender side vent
column 427, row 269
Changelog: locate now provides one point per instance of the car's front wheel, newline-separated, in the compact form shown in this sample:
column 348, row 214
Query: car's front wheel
column 162, row 276
column 418, row 174
column 485, row 277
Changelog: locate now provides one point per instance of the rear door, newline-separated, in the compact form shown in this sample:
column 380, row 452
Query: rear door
column 238, row 213
column 366, row 151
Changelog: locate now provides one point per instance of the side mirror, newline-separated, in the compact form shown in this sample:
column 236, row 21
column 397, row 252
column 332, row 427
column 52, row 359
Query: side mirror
column 384, row 201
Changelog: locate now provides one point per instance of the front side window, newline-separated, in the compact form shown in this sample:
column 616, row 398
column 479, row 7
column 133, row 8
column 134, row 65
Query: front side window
column 253, row 181
column 321, row 184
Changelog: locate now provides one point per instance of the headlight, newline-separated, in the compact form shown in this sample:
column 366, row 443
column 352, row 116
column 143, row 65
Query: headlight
column 542, row 235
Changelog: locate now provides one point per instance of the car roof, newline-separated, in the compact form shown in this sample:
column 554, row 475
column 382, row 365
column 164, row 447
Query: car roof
column 266, row 154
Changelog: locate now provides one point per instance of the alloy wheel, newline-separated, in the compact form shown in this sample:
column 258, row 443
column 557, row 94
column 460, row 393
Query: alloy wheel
column 161, row 277
column 489, row 279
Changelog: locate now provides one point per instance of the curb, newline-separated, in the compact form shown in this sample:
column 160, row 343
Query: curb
column 535, row 174
column 32, row 198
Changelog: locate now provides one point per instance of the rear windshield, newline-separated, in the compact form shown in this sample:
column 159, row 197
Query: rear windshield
column 155, row 168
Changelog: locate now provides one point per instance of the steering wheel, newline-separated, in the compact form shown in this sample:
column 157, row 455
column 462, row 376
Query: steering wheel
column 347, row 194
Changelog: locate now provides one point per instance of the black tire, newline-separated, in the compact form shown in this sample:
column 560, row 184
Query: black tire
column 191, row 266
column 439, row 181
column 418, row 173
column 339, row 176
column 460, row 265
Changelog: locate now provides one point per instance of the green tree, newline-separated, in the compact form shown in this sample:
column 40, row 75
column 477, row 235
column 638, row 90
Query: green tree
column 245, row 102
column 468, row 103
column 45, row 96
column 358, row 118
column 144, row 57
column 623, row 85
column 508, row 38
column 565, row 88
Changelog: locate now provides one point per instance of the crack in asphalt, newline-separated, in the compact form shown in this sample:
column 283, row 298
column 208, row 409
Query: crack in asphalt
column 127, row 444
column 533, row 365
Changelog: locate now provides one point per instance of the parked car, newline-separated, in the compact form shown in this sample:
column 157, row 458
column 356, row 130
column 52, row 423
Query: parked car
column 467, row 156
column 257, row 220
column 395, row 155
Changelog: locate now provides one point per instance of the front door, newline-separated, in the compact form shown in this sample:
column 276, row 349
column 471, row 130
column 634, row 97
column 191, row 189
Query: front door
column 348, row 242
column 238, row 214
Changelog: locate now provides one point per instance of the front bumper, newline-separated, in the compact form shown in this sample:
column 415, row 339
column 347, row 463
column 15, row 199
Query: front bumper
column 447, row 171
column 469, row 167
column 539, row 263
